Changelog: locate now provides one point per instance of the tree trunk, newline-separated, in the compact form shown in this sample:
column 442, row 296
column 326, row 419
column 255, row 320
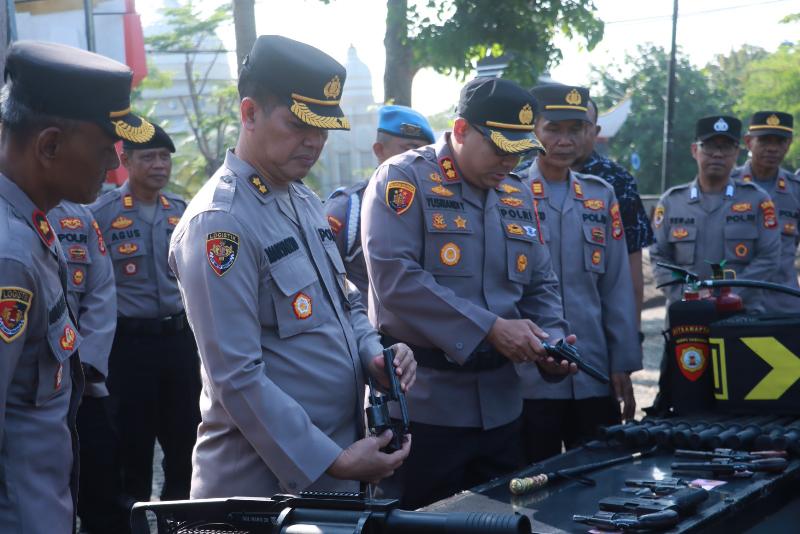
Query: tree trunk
column 244, row 22
column 400, row 68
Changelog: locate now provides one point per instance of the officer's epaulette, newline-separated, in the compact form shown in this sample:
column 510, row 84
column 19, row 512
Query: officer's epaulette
column 104, row 200
column 593, row 178
column 751, row 185
column 174, row 196
column 348, row 190
column 336, row 192
column 676, row 188
column 789, row 175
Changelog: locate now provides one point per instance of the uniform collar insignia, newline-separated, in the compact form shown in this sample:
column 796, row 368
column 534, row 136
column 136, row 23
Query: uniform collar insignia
column 729, row 191
column 127, row 201
column 43, row 228
column 164, row 202
column 258, row 185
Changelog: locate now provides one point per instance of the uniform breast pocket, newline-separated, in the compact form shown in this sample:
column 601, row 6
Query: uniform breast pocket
column 594, row 248
column 53, row 369
column 78, row 262
column 683, row 240
column 740, row 242
column 129, row 259
column 297, row 297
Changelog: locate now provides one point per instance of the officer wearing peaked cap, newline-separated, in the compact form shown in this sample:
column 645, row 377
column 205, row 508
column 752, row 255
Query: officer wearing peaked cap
column 62, row 111
column 284, row 343
column 400, row 128
column 713, row 218
column 154, row 376
column 768, row 139
column 457, row 271
column 581, row 225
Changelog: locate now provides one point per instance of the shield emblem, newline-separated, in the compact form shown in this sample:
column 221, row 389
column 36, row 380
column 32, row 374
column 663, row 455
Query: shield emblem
column 221, row 251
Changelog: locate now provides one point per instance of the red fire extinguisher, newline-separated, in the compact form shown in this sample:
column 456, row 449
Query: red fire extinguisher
column 726, row 302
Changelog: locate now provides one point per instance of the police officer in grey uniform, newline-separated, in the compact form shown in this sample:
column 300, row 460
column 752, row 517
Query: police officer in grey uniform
column 283, row 340
column 768, row 138
column 458, row 272
column 154, row 372
column 400, row 128
column 54, row 145
column 582, row 226
column 713, row 218
column 92, row 295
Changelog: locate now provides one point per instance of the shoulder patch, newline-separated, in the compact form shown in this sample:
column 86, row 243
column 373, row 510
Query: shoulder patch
column 658, row 216
column 400, row 195
column 14, row 305
column 221, row 251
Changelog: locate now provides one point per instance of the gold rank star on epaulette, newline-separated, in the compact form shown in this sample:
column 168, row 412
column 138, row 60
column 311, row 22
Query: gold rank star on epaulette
column 259, row 185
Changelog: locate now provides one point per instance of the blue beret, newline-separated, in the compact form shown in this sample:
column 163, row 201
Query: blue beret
column 402, row 121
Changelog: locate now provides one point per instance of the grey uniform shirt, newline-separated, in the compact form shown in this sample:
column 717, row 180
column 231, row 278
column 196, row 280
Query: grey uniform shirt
column 742, row 230
column 445, row 260
column 343, row 210
column 138, row 245
column 282, row 344
column 784, row 189
column 587, row 245
column 40, row 376
column 90, row 285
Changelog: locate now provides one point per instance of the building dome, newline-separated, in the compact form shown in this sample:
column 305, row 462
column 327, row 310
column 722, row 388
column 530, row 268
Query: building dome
column 358, row 87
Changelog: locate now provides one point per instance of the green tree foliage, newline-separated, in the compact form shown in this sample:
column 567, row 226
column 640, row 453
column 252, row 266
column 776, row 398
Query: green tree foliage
column 210, row 105
column 450, row 35
column 644, row 76
column 727, row 73
column 773, row 83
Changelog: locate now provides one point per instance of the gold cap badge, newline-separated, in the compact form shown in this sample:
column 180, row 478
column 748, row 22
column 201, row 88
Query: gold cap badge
column 773, row 120
column 332, row 88
column 526, row 114
column 573, row 98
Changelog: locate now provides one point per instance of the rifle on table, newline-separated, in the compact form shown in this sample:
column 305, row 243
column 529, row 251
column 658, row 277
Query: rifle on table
column 519, row 486
column 318, row 513
column 732, row 467
column 614, row 521
column 729, row 454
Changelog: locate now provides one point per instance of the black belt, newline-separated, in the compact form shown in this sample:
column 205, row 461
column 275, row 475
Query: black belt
column 484, row 358
column 171, row 324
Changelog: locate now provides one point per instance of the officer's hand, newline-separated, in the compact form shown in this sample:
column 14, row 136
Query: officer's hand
column 364, row 461
column 405, row 366
column 551, row 366
column 517, row 339
column 623, row 389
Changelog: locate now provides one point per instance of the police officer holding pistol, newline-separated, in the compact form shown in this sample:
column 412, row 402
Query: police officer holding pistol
column 457, row 271
column 62, row 111
column 284, row 343
column 713, row 218
column 581, row 224
column 154, row 376
column 400, row 128
column 768, row 139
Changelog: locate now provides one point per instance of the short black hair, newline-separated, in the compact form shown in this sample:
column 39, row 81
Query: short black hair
column 21, row 121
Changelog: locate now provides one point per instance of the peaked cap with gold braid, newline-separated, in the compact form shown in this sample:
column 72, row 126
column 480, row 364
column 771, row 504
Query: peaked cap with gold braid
column 559, row 102
column 62, row 81
column 771, row 123
column 310, row 81
column 502, row 111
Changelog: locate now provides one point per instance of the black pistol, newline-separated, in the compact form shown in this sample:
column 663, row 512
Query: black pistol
column 378, row 418
column 614, row 521
column 564, row 351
